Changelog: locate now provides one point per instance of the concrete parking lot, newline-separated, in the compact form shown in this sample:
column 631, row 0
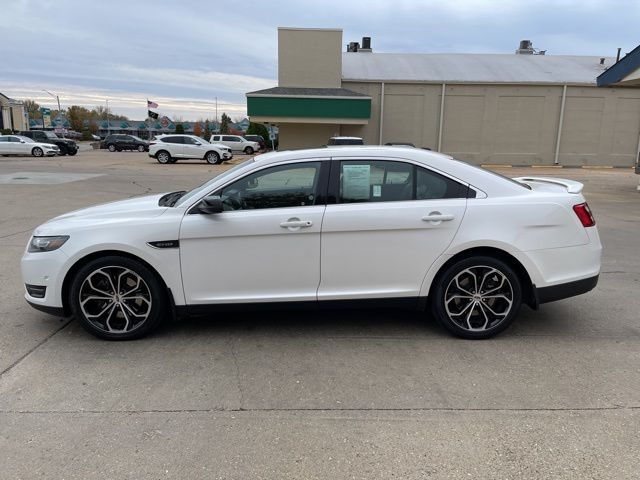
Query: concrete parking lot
column 344, row 394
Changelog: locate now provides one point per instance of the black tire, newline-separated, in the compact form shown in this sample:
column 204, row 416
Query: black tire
column 163, row 157
column 141, row 148
column 173, row 160
column 72, row 152
column 63, row 150
column 491, row 311
column 111, row 148
column 121, row 315
column 249, row 150
column 37, row 152
column 212, row 157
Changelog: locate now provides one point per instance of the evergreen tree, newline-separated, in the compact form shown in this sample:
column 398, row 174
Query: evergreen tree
column 224, row 123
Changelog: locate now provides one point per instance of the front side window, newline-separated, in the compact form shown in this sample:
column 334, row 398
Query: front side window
column 293, row 185
column 391, row 181
column 172, row 140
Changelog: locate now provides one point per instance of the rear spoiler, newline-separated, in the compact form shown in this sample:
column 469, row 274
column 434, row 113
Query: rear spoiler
column 571, row 185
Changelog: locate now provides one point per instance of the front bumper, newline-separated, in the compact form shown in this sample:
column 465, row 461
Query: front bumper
column 44, row 269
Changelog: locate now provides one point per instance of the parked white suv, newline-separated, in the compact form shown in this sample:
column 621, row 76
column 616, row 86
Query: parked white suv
column 171, row 148
column 237, row 143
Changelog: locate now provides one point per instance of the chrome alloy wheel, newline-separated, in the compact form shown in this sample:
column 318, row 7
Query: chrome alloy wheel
column 478, row 298
column 115, row 299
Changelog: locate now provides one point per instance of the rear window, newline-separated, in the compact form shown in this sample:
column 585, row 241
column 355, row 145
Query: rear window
column 345, row 141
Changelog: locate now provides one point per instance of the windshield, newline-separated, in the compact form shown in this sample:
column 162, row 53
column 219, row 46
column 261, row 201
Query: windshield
column 51, row 135
column 203, row 188
column 26, row 139
column 137, row 138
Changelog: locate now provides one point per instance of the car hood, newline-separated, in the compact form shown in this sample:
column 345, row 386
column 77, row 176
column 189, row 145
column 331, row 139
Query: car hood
column 123, row 211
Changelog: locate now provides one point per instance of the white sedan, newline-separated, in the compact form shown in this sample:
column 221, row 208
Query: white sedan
column 19, row 145
column 331, row 226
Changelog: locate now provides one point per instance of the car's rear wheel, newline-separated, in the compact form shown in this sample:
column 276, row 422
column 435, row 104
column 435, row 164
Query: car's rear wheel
column 111, row 148
column 163, row 157
column 117, row 298
column 37, row 152
column 212, row 157
column 141, row 148
column 249, row 150
column 476, row 297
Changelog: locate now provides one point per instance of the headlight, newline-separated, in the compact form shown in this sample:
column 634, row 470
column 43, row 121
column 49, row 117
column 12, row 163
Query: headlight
column 47, row 244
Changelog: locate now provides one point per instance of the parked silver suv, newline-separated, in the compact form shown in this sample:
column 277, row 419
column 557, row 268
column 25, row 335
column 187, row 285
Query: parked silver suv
column 237, row 143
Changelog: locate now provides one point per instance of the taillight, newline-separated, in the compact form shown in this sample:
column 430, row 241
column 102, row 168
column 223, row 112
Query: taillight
column 584, row 214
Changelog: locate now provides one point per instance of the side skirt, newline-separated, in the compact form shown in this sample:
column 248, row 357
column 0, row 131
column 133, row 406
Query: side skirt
column 409, row 303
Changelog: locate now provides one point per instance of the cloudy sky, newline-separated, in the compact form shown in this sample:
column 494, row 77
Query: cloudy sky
column 183, row 54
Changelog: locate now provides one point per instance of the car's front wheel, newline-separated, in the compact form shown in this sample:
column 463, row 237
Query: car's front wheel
column 63, row 150
column 72, row 152
column 111, row 148
column 163, row 157
column 212, row 157
column 117, row 298
column 476, row 297
column 37, row 152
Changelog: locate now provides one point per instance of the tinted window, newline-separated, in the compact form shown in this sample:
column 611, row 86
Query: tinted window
column 230, row 139
column 4, row 139
column 389, row 181
column 431, row 185
column 190, row 141
column 275, row 187
column 172, row 139
column 345, row 141
column 14, row 139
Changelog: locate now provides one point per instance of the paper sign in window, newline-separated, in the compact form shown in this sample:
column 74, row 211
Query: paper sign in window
column 355, row 181
column 377, row 190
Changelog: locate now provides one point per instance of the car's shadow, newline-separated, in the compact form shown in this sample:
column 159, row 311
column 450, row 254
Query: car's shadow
column 335, row 322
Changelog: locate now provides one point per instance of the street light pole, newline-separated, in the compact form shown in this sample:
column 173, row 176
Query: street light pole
column 59, row 109
column 108, row 123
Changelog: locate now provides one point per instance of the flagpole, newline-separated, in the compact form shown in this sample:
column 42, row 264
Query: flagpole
column 148, row 121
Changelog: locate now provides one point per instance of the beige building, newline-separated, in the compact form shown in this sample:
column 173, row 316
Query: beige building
column 524, row 108
column 12, row 115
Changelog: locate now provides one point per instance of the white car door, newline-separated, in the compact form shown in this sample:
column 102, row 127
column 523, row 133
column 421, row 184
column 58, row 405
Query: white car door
column 19, row 146
column 192, row 148
column 392, row 220
column 232, row 142
column 5, row 146
column 265, row 245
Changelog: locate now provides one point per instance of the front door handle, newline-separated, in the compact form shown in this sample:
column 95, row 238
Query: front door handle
column 438, row 217
column 296, row 224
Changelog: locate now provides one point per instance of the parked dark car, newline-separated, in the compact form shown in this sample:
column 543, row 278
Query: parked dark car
column 66, row 146
column 120, row 142
column 257, row 138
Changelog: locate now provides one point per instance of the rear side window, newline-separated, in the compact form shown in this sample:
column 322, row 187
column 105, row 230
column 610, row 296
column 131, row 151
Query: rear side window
column 4, row 139
column 172, row 140
column 230, row 139
column 391, row 181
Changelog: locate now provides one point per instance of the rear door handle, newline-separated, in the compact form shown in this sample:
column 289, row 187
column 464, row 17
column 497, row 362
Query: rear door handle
column 296, row 224
column 438, row 217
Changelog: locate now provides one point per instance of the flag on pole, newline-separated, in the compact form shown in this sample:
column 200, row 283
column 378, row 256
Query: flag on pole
column 151, row 104
column 153, row 115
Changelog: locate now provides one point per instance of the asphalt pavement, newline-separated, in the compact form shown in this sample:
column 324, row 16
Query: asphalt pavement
column 315, row 395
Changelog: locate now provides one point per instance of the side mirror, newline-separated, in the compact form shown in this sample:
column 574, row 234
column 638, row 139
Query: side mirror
column 211, row 204
column 22, row 141
column 198, row 143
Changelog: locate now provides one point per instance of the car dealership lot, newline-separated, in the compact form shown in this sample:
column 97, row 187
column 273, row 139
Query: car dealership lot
column 342, row 394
